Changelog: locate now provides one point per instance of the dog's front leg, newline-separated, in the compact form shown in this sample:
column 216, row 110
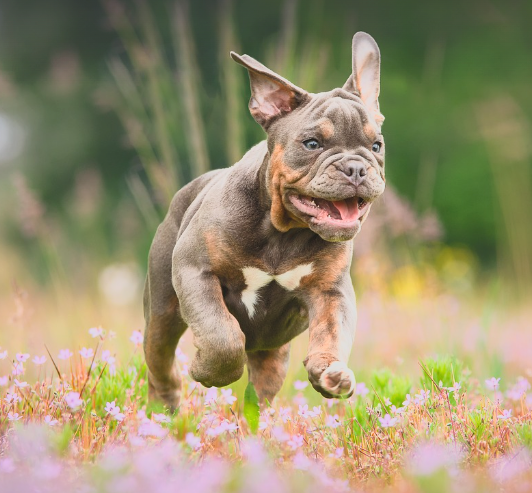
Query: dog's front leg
column 332, row 329
column 220, row 343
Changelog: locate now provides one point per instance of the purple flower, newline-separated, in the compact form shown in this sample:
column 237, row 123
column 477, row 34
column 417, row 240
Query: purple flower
column 151, row 429
column 361, row 389
column 137, row 337
column 13, row 416
column 86, row 353
column 3, row 354
column 506, row 414
column 73, row 400
column 338, row 453
column 4, row 381
column 21, row 385
column 39, row 360
column 65, row 354
column 180, row 355
column 296, row 441
column 332, row 421
column 300, row 385
column 22, row 357
column 387, row 421
column 111, row 408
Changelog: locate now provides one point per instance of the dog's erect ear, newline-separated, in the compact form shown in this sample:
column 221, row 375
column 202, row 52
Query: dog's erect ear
column 271, row 95
column 365, row 79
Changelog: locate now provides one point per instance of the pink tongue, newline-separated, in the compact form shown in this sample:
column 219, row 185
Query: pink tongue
column 341, row 205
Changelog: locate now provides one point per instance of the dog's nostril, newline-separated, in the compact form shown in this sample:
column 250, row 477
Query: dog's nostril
column 355, row 170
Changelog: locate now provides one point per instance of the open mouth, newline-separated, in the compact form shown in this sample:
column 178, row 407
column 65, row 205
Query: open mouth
column 339, row 212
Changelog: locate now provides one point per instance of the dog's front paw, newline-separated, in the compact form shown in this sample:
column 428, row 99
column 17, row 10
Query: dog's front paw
column 330, row 377
column 338, row 379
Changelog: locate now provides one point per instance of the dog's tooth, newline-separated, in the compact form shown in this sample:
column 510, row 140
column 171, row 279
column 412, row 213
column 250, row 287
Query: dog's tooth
column 312, row 202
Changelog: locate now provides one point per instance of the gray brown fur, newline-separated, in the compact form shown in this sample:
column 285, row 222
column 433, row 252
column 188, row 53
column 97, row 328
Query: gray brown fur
column 246, row 216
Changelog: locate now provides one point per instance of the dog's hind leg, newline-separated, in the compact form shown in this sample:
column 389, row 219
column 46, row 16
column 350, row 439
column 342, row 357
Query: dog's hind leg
column 267, row 371
column 164, row 327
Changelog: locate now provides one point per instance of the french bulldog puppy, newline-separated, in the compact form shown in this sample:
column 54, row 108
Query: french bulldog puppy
column 250, row 256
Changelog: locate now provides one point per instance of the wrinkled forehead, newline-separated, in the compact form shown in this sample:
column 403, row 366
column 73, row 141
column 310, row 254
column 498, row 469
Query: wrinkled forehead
column 337, row 113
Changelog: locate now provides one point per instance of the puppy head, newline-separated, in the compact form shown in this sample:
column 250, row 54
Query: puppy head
column 326, row 149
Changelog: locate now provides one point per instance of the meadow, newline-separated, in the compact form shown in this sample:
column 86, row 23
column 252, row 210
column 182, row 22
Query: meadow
column 443, row 401
column 442, row 268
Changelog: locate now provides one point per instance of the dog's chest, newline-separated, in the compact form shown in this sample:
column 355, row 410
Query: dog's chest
column 256, row 279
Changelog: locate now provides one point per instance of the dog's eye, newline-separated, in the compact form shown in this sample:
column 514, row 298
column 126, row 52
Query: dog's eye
column 312, row 144
column 376, row 147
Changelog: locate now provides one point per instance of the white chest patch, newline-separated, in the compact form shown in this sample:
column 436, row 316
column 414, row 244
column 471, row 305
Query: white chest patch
column 256, row 279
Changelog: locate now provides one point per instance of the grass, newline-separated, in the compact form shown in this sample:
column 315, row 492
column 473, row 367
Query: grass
column 84, row 422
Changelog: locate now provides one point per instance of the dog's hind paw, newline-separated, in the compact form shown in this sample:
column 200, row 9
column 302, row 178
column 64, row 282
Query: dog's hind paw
column 338, row 380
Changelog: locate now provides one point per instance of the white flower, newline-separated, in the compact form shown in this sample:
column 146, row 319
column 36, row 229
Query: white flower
column 39, row 360
column 22, row 357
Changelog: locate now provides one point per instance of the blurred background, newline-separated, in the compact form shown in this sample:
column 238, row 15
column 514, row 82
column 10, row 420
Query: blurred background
column 108, row 108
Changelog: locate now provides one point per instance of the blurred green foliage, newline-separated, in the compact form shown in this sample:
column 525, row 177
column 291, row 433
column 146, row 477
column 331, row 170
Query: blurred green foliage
column 122, row 103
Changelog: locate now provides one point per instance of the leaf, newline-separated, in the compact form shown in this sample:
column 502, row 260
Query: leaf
column 251, row 408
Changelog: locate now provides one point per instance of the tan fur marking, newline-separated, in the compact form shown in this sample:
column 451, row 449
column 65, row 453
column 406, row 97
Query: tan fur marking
column 326, row 127
column 282, row 219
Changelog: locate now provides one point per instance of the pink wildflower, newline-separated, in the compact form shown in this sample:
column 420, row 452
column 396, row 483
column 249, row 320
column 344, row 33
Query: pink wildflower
column 506, row 414
column 137, row 338
column 492, row 383
column 332, row 421
column 227, row 396
column 4, row 381
column 296, row 441
column 22, row 357
column 387, row 421
column 111, row 408
column 12, row 398
column 338, row 453
column 18, row 368
column 408, row 400
column 211, row 396
column 387, row 401
column 160, row 418
column 192, row 441
column 13, row 416
column 285, row 414
column 73, row 400
column 3, row 354
column 455, row 388
column 20, row 384
column 39, row 360
column 96, row 332
column 279, row 434
column 65, row 354
column 50, row 421
column 149, row 428
column 300, row 385
column 86, row 352
column 361, row 389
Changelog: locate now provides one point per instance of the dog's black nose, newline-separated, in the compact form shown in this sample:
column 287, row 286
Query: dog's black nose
column 356, row 171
